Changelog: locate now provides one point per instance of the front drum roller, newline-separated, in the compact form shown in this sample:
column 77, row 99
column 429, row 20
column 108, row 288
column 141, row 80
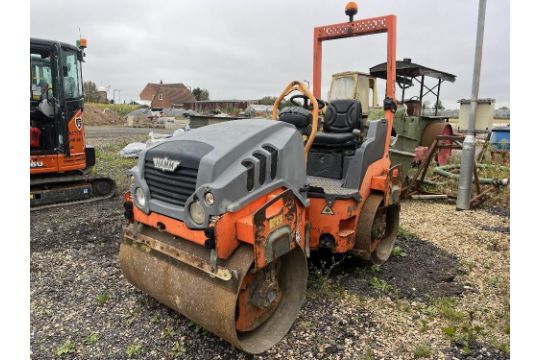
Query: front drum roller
column 376, row 231
column 252, row 311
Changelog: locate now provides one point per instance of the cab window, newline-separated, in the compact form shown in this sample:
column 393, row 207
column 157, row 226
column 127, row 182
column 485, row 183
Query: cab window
column 71, row 74
column 41, row 84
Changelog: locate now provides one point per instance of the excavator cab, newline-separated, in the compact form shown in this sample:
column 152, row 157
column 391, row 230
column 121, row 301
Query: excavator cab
column 56, row 105
column 59, row 158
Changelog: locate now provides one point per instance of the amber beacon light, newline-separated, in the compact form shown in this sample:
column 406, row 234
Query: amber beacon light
column 351, row 9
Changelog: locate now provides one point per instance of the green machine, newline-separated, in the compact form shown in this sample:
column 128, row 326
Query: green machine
column 413, row 126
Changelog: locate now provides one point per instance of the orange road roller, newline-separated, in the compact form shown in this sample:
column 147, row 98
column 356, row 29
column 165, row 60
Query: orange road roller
column 222, row 219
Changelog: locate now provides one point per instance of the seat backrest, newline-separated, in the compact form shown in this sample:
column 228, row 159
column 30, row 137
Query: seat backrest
column 343, row 116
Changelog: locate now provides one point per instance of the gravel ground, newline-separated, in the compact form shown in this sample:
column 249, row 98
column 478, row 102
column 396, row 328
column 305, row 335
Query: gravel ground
column 443, row 295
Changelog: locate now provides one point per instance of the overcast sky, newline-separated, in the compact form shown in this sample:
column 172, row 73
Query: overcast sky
column 250, row 49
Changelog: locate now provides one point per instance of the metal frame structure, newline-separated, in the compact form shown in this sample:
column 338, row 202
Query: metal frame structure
column 383, row 24
column 408, row 72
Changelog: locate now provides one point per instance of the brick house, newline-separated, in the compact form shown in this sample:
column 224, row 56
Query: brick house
column 166, row 95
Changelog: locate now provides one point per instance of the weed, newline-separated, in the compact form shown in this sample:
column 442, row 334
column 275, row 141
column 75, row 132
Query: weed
column 177, row 349
column 129, row 320
column 374, row 269
column 168, row 332
column 102, row 298
column 66, row 348
column 133, row 350
column 368, row 355
column 154, row 319
column 307, row 324
column 406, row 234
column 494, row 281
column 319, row 280
column 398, row 252
column 91, row 339
column 504, row 348
column 449, row 331
column 446, row 307
column 196, row 327
column 423, row 325
column 120, row 109
column 404, row 306
column 422, row 351
column 380, row 284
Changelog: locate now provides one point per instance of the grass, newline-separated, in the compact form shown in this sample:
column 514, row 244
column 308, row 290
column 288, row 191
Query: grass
column 110, row 162
column 319, row 281
column 307, row 324
column 177, row 349
column 380, row 284
column 133, row 349
column 167, row 332
column 196, row 327
column 397, row 251
column 368, row 355
column 66, row 348
column 120, row 109
column 102, row 298
column 500, row 170
column 406, row 234
column 91, row 339
column 422, row 351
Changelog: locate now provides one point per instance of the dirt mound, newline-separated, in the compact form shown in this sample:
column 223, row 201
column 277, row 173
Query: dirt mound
column 95, row 116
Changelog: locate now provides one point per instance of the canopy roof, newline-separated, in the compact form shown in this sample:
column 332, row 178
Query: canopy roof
column 407, row 69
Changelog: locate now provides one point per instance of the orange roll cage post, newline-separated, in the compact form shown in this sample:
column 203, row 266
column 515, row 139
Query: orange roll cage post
column 371, row 26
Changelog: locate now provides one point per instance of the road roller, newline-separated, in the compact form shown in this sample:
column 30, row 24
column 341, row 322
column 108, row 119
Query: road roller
column 221, row 220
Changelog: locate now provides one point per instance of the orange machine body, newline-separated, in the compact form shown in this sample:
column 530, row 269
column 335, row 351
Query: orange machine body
column 260, row 217
column 61, row 162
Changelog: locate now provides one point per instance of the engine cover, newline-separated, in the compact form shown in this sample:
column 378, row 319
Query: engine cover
column 236, row 161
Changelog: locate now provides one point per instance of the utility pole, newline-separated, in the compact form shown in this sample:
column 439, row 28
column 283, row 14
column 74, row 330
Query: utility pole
column 467, row 155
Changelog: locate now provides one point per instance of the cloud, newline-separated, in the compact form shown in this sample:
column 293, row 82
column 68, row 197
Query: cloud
column 249, row 49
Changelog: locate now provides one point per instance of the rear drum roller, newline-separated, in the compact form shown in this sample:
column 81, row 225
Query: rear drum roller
column 376, row 230
column 253, row 310
column 430, row 134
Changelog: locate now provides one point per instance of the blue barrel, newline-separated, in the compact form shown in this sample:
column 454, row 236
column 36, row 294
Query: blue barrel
column 500, row 138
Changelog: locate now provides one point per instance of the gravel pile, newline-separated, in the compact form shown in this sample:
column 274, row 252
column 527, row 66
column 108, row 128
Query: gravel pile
column 443, row 295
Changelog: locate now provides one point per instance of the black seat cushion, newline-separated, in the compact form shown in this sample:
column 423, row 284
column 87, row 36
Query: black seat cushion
column 343, row 116
column 335, row 140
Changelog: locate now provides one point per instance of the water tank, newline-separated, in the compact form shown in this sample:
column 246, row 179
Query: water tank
column 484, row 115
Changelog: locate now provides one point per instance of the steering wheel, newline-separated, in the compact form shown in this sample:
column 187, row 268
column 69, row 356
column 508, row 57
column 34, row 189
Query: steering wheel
column 314, row 104
column 307, row 102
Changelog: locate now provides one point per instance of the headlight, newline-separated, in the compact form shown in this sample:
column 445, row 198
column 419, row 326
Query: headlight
column 196, row 212
column 139, row 197
column 209, row 198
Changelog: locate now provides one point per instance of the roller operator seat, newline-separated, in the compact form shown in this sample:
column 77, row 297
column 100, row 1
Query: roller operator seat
column 341, row 118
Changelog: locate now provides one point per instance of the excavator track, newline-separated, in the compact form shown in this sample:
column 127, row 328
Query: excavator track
column 54, row 191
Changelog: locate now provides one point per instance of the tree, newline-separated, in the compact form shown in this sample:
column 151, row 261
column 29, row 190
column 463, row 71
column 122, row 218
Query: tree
column 90, row 91
column 200, row 94
column 425, row 104
column 268, row 100
column 439, row 105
